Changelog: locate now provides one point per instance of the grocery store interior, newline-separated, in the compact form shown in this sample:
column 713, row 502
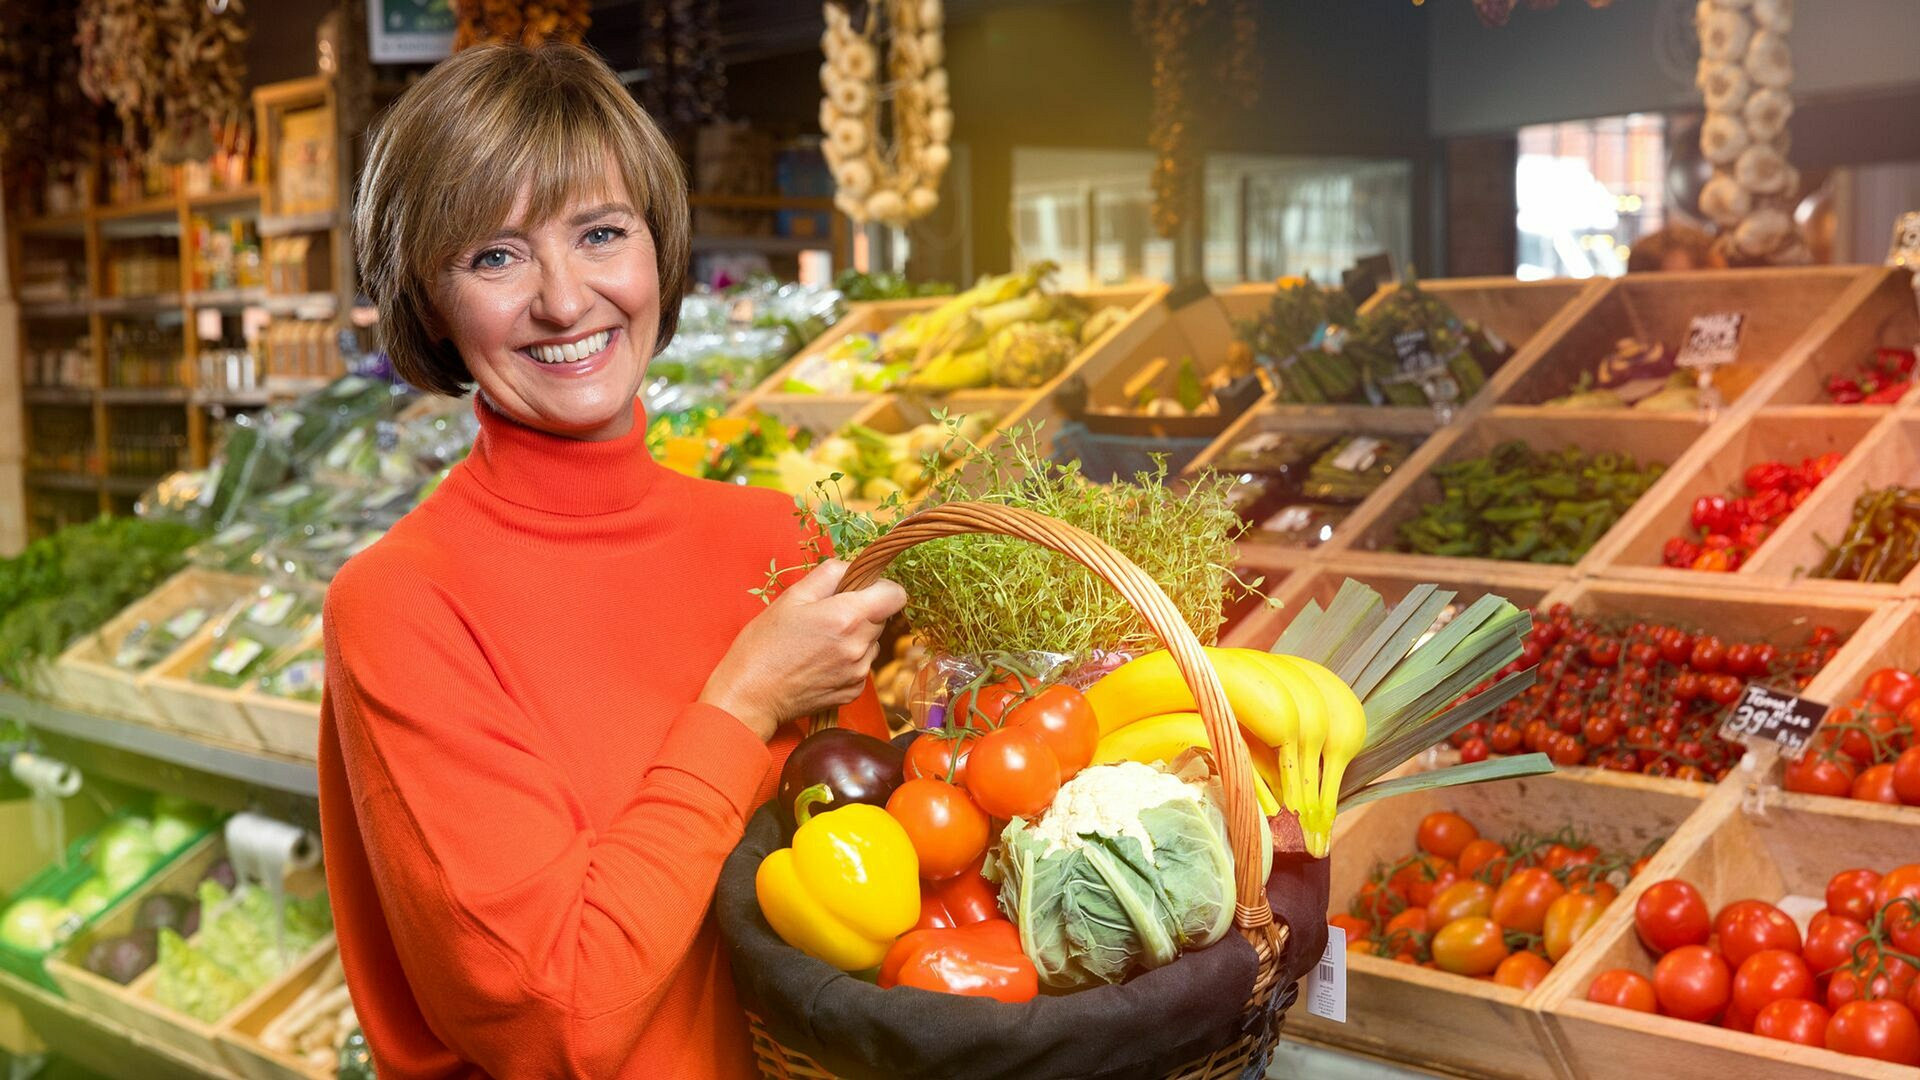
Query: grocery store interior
column 1440, row 474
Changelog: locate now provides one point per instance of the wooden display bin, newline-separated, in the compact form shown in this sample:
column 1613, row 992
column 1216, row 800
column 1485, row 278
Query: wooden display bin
column 195, row 707
column 1450, row 1022
column 284, row 725
column 1884, row 316
column 1781, row 307
column 1716, row 467
column 240, row 1039
column 1374, row 527
column 85, row 675
column 1319, row 581
column 133, row 1006
column 1730, row 855
column 1889, row 456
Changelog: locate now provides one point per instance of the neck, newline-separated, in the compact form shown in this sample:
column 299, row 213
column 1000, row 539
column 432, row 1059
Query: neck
column 601, row 473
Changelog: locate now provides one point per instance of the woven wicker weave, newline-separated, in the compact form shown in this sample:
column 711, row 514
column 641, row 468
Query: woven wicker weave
column 1252, row 916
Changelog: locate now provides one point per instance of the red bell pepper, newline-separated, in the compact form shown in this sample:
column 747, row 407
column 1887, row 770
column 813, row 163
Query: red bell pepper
column 981, row 960
column 1710, row 513
column 1767, row 475
column 961, row 900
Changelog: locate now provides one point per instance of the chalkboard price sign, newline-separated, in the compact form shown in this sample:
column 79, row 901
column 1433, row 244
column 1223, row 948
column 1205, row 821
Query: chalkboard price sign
column 1776, row 716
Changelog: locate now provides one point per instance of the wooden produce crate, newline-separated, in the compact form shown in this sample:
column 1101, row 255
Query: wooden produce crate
column 1439, row 1020
column 284, row 725
column 133, row 1006
column 1878, row 311
column 1526, row 586
column 240, row 1038
column 1888, row 456
column 85, row 675
column 1781, row 307
column 1716, row 467
column 1273, row 569
column 1790, row 850
column 1523, row 313
column 1647, row 438
column 194, row 707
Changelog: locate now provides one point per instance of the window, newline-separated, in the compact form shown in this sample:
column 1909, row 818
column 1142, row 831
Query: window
column 1586, row 191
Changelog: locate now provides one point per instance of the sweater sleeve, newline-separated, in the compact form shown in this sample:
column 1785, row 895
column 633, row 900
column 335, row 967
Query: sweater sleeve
column 518, row 925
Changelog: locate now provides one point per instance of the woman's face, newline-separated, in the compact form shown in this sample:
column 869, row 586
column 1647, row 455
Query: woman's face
column 556, row 319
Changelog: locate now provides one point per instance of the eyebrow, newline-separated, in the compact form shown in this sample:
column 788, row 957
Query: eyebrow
column 577, row 220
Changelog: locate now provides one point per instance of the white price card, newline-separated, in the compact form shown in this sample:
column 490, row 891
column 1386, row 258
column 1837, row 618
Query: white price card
column 1327, row 982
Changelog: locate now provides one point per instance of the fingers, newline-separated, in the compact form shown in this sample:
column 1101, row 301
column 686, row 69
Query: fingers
column 867, row 659
column 880, row 601
column 818, row 584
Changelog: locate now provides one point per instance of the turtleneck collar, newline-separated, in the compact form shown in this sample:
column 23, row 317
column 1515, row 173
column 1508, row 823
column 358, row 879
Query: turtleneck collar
column 559, row 475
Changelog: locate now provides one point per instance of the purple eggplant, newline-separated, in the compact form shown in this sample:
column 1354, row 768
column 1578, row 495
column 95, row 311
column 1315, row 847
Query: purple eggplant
column 856, row 768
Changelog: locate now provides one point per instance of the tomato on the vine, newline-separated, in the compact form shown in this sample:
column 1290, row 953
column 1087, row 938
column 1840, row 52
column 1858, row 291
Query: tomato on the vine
column 1875, row 975
column 1445, row 834
column 1568, row 920
column 1522, row 970
column 1831, row 940
column 1709, row 653
column 1424, row 877
column 1906, row 776
column 1671, row 914
column 1461, row 899
column 1012, row 772
column 1819, row 774
column 1692, row 983
column 1624, row 989
column 1883, row 1030
column 1892, row 688
column 1793, row 1020
column 1474, row 945
column 1851, row 893
column 1482, row 854
column 939, row 755
column 983, row 707
column 1768, row 976
column 1522, row 900
column 1063, row 718
column 1746, row 927
column 1903, row 926
column 947, row 829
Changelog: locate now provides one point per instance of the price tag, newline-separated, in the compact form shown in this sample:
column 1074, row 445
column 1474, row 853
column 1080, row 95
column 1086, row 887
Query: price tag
column 234, row 657
column 1713, row 340
column 1359, row 455
column 1776, row 716
column 1415, row 349
column 1327, row 983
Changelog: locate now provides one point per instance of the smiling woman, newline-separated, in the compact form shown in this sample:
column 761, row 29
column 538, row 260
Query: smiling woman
column 529, row 781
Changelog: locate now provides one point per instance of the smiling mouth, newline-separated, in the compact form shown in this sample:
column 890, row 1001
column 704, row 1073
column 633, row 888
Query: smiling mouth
column 571, row 352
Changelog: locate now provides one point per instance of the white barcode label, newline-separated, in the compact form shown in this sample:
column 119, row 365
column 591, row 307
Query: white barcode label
column 1327, row 983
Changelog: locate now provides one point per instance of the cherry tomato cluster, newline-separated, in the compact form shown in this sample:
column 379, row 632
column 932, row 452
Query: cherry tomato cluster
column 1883, row 380
column 1730, row 530
column 1504, row 912
column 1636, row 697
column 1847, row 984
column 1867, row 748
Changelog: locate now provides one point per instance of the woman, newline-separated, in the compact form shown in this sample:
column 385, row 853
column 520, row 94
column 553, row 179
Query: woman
column 552, row 700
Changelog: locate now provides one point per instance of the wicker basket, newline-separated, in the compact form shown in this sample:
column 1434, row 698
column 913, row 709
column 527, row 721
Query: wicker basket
column 1253, row 918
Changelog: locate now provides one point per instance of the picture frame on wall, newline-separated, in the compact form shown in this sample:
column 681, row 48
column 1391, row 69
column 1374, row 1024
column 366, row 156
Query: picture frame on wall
column 409, row 31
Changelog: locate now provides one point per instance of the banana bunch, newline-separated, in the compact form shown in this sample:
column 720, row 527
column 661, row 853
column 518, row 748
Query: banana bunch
column 1301, row 723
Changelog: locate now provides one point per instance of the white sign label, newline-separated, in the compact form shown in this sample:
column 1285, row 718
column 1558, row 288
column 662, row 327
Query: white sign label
column 234, row 658
column 1327, row 982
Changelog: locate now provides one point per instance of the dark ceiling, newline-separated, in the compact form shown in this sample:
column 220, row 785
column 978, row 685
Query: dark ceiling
column 752, row 29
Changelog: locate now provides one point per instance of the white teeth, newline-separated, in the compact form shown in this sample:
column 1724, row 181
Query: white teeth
column 571, row 352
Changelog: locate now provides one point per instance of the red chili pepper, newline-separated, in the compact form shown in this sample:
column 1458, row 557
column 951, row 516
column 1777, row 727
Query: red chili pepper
column 1680, row 552
column 1709, row 512
column 1900, row 360
column 1821, row 466
column 1768, row 507
column 1799, row 497
column 1889, row 394
column 1768, row 475
column 1718, row 541
column 1715, row 561
column 981, row 960
column 1751, row 536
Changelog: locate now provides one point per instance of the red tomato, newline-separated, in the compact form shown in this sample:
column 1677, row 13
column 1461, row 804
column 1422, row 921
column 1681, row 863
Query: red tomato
column 1064, row 719
column 1355, row 926
column 1768, row 976
column 1012, row 772
column 939, row 756
column 1522, row 970
column 1906, row 776
column 1793, row 1020
column 948, row 831
column 1830, row 941
column 1816, row 773
column 1857, row 745
column 1692, row 983
column 983, row 707
column 1445, row 834
column 1895, row 978
column 1890, row 685
column 1461, row 899
column 1875, row 784
column 1379, row 902
column 1746, row 927
column 1625, row 989
column 1670, row 914
column 1913, row 997
column 1884, row 1030
column 1474, row 945
column 1414, row 920
column 1419, row 881
column 1523, row 899
column 1851, row 892
column 1568, row 920
column 1901, row 883
column 1478, row 854
column 961, row 900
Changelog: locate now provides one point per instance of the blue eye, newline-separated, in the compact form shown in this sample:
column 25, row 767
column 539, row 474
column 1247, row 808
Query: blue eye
column 491, row 259
column 604, row 234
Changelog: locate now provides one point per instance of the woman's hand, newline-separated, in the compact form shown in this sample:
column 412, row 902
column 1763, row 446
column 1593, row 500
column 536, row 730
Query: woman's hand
column 810, row 650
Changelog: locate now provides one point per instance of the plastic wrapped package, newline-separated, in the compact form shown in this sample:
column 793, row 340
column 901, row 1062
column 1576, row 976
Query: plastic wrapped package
column 257, row 628
column 256, row 457
column 321, row 418
column 1355, row 467
column 937, row 681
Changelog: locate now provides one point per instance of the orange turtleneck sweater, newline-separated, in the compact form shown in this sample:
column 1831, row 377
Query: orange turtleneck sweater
column 524, row 808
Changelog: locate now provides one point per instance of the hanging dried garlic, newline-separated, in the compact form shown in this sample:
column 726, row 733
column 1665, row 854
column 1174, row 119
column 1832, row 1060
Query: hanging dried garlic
column 1745, row 68
column 889, row 183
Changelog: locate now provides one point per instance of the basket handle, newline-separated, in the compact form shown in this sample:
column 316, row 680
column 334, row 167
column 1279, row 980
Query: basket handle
column 1251, row 913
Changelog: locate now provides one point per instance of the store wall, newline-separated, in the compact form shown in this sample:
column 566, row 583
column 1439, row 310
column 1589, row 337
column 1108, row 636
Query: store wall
column 1573, row 61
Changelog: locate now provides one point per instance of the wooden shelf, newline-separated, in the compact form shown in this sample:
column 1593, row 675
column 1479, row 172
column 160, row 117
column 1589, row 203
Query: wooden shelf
column 129, row 485
column 59, row 395
column 227, row 298
column 288, row 224
column 63, row 481
column 229, row 197
column 243, row 399
column 57, row 309
column 55, row 224
column 295, row 303
column 137, row 305
column 144, row 395
column 165, row 206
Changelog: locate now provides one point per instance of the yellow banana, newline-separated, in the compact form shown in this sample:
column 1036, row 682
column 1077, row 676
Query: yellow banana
column 1346, row 734
column 1308, row 746
column 1151, row 686
column 1165, row 737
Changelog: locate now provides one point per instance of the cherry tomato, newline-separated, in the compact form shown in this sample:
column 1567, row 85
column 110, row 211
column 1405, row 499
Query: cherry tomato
column 1862, row 748
column 1568, row 920
column 1625, row 989
column 1739, row 658
column 1671, row 914
column 1523, row 899
column 1474, row 749
column 938, row 756
column 1504, row 738
column 1708, row 654
column 1012, row 772
column 1445, row 834
column 1522, row 970
column 1064, row 719
column 1768, row 976
column 983, row 707
column 1692, row 983
column 1883, row 1030
column 1414, row 920
column 1723, row 689
column 1901, row 883
column 1474, row 945
column 1906, row 776
column 1478, row 854
column 1851, row 893
column 1461, row 899
column 1892, row 978
column 1793, row 1020
column 1817, row 774
column 948, row 831
column 1831, row 940
column 1355, row 926
column 1892, row 688
column 1421, row 880
column 1379, row 902
column 1746, row 927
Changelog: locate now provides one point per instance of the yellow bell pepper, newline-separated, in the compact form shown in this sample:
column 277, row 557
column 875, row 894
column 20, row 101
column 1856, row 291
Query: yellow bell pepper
column 848, row 886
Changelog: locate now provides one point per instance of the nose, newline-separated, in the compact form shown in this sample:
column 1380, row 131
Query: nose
column 562, row 298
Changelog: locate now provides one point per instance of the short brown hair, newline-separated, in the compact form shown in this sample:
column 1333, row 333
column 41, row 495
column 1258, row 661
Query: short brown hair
column 447, row 164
